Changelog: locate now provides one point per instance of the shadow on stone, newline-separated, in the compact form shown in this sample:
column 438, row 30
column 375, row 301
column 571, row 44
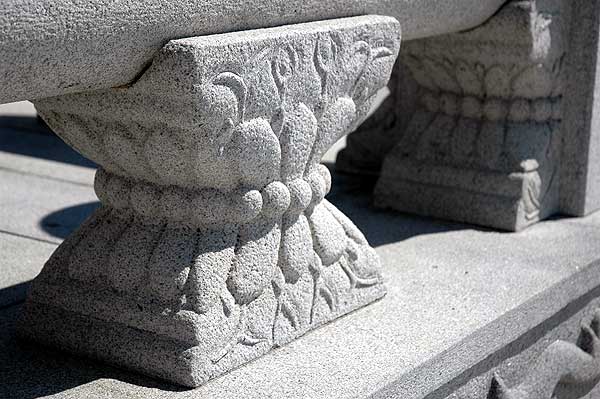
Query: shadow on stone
column 63, row 222
column 352, row 194
column 13, row 294
column 27, row 136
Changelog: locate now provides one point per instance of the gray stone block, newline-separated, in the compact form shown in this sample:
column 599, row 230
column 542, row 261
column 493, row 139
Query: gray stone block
column 214, row 243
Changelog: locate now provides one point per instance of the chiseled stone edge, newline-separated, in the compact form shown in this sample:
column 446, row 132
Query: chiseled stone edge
column 561, row 362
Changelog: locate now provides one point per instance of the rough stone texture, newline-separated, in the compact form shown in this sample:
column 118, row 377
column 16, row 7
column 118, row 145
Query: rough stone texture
column 580, row 164
column 21, row 214
column 51, row 47
column 483, row 145
column 439, row 274
column 214, row 244
column 445, row 281
column 546, row 348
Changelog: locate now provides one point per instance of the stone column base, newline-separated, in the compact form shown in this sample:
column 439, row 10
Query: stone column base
column 105, row 293
column 214, row 243
column 483, row 142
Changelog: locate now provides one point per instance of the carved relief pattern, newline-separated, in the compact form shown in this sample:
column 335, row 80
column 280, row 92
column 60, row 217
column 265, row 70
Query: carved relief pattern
column 213, row 211
column 489, row 110
column 560, row 363
column 479, row 116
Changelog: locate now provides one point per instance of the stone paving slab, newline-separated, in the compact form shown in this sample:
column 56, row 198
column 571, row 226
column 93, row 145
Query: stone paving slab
column 41, row 153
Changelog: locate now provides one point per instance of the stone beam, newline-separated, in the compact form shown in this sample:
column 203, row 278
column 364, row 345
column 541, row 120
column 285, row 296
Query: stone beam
column 214, row 243
column 54, row 47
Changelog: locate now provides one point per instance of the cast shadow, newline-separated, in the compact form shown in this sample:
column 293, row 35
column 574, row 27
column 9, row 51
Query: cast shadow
column 63, row 222
column 28, row 136
column 352, row 194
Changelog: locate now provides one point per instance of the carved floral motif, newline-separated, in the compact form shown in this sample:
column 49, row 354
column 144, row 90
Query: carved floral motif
column 214, row 230
column 560, row 363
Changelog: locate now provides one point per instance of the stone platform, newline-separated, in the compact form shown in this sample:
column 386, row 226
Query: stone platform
column 462, row 302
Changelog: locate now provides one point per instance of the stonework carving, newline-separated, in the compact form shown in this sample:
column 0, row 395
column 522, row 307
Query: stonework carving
column 483, row 143
column 214, row 242
column 560, row 363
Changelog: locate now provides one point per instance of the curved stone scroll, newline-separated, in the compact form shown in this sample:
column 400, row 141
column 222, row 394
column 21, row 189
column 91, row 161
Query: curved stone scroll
column 560, row 363
column 214, row 242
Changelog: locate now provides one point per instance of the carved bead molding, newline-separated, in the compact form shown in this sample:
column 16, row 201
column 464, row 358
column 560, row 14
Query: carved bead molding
column 213, row 243
column 482, row 144
column 560, row 363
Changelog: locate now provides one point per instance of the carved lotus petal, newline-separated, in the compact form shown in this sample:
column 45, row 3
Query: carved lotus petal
column 326, row 53
column 219, row 108
column 256, row 150
column 127, row 154
column 418, row 71
column 498, row 82
column 536, row 81
column 373, row 76
column 168, row 157
column 128, row 257
column 442, row 74
column 171, row 261
column 206, row 279
column 297, row 139
column 255, row 260
column 470, row 78
column 328, row 235
column 296, row 243
column 334, row 123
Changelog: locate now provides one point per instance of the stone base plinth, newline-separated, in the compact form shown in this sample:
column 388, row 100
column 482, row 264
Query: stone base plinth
column 500, row 200
column 214, row 243
column 482, row 136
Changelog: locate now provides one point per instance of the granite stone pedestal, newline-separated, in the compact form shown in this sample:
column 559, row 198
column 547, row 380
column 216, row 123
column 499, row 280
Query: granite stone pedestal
column 213, row 243
column 499, row 130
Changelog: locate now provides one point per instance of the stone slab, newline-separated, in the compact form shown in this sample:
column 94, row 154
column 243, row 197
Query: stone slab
column 51, row 47
column 445, row 282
